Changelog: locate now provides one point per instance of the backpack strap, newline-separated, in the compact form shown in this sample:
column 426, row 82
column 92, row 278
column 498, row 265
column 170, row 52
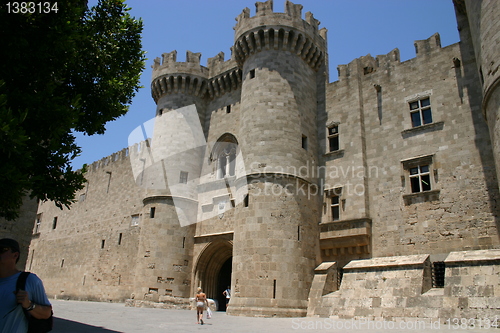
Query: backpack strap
column 21, row 285
column 21, row 281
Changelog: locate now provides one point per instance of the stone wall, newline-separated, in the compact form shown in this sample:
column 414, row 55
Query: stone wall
column 398, row 288
column 89, row 251
column 370, row 104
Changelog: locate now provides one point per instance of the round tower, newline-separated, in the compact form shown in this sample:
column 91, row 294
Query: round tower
column 484, row 27
column 282, row 58
column 169, row 166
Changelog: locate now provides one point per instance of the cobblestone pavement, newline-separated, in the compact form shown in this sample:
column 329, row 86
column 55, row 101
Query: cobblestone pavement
column 95, row 317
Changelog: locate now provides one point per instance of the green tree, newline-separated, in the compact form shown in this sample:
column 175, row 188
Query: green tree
column 73, row 68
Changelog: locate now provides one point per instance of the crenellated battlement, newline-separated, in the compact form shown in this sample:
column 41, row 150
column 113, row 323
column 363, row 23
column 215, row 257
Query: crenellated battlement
column 171, row 76
column 168, row 64
column 121, row 156
column 225, row 82
column 428, row 45
column 280, row 31
column 267, row 29
column 225, row 76
column 368, row 64
column 264, row 15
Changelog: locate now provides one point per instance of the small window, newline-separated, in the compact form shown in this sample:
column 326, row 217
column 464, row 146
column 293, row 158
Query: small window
column 420, row 112
column 335, row 207
column 120, row 238
column 152, row 211
column 245, row 200
column 54, row 223
column 102, row 243
column 333, row 138
column 420, row 179
column 438, row 274
column 304, row 142
column 418, row 175
column 228, row 109
column 38, row 223
column 252, row 73
column 135, row 220
column 183, row 179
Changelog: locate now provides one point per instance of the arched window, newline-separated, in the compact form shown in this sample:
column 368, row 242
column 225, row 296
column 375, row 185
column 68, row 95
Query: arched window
column 224, row 154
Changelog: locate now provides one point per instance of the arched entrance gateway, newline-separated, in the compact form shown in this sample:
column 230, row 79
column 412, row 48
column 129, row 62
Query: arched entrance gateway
column 213, row 270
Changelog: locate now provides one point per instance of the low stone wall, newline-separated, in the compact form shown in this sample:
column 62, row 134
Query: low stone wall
column 398, row 288
column 472, row 285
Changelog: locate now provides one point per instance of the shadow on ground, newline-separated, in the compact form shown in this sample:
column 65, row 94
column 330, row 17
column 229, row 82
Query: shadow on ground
column 66, row 326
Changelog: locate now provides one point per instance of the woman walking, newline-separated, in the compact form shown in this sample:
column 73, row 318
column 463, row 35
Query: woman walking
column 201, row 301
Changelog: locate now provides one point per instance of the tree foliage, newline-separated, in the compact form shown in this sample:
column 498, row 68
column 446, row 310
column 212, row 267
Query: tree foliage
column 71, row 70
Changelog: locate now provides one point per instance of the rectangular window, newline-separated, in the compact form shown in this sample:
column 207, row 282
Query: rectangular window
column 420, row 112
column 304, row 142
column 418, row 174
column 102, row 243
column 54, row 223
column 245, row 200
column 183, row 179
column 228, row 109
column 335, row 207
column 438, row 274
column 252, row 73
column 333, row 138
column 152, row 212
column 38, row 223
column 420, row 179
column 120, row 238
column 135, row 220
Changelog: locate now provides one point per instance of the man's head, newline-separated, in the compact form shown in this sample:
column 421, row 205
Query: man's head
column 8, row 244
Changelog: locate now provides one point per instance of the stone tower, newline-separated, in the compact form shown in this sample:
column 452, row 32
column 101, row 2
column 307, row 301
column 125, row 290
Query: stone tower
column 478, row 26
column 170, row 168
column 282, row 59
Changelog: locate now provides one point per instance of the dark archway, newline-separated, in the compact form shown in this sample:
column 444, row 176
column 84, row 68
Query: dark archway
column 224, row 281
column 214, row 267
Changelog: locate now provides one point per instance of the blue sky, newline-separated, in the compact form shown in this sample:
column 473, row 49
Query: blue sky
column 355, row 28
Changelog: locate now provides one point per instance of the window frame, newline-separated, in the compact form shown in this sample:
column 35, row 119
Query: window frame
column 420, row 110
column 38, row 223
column 183, row 177
column 418, row 98
column 333, row 136
column 418, row 163
column 417, row 175
column 135, row 220
column 334, row 201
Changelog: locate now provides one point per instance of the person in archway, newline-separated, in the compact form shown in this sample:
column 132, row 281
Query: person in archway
column 227, row 293
column 201, row 302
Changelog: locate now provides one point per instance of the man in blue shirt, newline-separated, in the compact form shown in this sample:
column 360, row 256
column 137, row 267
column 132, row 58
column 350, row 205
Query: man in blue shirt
column 33, row 299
